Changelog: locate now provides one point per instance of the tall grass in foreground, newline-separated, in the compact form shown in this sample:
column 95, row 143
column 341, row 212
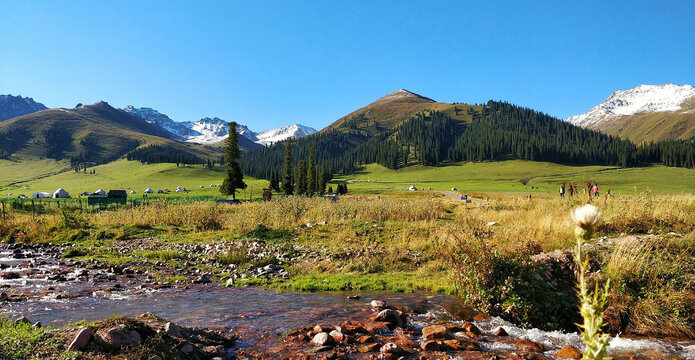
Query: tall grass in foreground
column 592, row 303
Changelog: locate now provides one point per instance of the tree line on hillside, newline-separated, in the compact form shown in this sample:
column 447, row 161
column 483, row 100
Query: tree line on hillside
column 305, row 178
column 498, row 131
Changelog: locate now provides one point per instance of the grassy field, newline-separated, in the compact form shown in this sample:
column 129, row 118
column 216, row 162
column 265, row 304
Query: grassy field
column 520, row 176
column 131, row 175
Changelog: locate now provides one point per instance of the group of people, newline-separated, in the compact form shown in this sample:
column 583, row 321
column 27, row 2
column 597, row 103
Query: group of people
column 591, row 189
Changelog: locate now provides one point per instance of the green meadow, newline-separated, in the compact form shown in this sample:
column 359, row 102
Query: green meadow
column 127, row 175
column 520, row 176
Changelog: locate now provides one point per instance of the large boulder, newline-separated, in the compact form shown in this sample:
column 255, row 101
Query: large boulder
column 569, row 352
column 115, row 338
column 81, row 339
column 323, row 339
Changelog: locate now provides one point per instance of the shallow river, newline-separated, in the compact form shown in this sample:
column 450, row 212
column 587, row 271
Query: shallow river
column 261, row 316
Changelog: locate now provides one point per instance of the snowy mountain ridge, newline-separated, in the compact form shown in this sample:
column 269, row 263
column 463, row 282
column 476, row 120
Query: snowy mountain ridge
column 641, row 99
column 213, row 130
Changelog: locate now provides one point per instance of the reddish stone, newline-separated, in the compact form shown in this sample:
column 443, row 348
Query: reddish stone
column 338, row 336
column 370, row 348
column 431, row 345
column 405, row 342
column 481, row 317
column 461, row 345
column 435, row 332
column 569, row 352
column 365, row 339
column 501, row 332
column 529, row 346
column 353, row 326
column 375, row 327
column 471, row 328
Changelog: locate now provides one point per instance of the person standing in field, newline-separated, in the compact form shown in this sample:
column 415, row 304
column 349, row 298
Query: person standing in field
column 562, row 191
column 595, row 190
column 571, row 190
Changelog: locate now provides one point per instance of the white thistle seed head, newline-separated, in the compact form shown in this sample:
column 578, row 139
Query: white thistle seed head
column 586, row 217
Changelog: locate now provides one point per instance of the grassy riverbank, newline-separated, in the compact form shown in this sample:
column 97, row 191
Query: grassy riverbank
column 395, row 243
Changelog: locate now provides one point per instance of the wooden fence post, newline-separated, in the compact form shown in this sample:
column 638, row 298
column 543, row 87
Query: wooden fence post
column 3, row 210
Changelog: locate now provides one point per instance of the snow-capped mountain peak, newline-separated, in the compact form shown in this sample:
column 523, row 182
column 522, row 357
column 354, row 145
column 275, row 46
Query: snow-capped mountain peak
column 272, row 136
column 641, row 99
column 213, row 130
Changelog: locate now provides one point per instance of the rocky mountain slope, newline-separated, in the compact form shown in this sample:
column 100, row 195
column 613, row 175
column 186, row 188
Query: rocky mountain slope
column 214, row 130
column 644, row 113
column 13, row 106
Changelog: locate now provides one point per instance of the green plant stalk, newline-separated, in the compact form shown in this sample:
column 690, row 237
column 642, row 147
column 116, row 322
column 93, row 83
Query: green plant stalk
column 592, row 305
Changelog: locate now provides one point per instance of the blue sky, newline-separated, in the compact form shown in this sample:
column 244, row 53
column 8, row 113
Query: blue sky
column 271, row 63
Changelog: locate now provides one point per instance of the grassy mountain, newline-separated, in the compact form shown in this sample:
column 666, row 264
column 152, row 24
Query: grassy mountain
column 391, row 110
column 404, row 129
column 95, row 133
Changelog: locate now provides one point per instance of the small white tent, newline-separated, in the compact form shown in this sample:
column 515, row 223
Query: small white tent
column 100, row 192
column 212, row 185
column 160, row 191
column 26, row 187
column 40, row 195
column 86, row 193
column 132, row 192
column 412, row 188
column 202, row 186
column 60, row 193
column 148, row 191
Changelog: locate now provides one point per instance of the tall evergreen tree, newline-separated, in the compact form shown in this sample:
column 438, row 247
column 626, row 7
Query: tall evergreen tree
column 301, row 185
column 287, row 184
column 235, row 178
column 311, row 173
column 321, row 180
column 274, row 181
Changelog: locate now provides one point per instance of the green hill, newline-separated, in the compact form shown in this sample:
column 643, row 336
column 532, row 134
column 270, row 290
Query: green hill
column 86, row 136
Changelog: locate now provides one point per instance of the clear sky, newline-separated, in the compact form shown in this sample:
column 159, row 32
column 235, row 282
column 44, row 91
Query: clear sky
column 272, row 63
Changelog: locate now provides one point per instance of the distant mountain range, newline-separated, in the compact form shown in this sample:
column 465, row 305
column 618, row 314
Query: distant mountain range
column 13, row 106
column 214, row 130
column 644, row 113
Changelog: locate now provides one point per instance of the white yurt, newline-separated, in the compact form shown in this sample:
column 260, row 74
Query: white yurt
column 212, row 185
column 178, row 190
column 160, row 191
column 26, row 187
column 454, row 189
column 60, row 193
column 40, row 195
column 412, row 188
column 218, row 185
column 100, row 192
column 132, row 192
column 86, row 193
column 202, row 186
column 148, row 191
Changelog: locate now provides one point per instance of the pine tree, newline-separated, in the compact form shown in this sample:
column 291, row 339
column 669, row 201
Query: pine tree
column 311, row 173
column 321, row 181
column 287, row 184
column 274, row 181
column 301, row 185
column 235, row 177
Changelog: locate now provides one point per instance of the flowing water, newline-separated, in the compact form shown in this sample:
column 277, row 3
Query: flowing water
column 259, row 316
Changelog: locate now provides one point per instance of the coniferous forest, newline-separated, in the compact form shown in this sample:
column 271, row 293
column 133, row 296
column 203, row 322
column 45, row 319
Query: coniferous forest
column 499, row 131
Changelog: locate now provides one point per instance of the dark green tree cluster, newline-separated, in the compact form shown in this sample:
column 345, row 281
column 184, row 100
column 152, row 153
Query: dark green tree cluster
column 678, row 153
column 504, row 131
column 342, row 189
column 153, row 154
column 57, row 141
